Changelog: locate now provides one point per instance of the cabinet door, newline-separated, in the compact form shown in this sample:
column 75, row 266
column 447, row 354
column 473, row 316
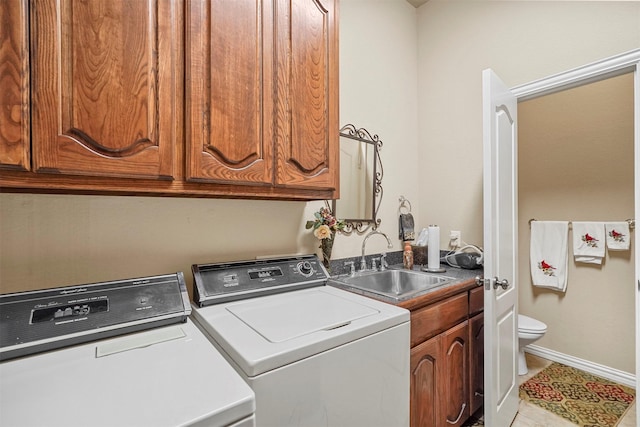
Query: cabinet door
column 307, row 93
column 455, row 381
column 105, row 86
column 425, row 364
column 476, row 365
column 229, row 91
column 14, row 86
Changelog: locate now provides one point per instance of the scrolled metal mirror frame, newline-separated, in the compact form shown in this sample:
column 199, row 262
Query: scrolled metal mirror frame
column 362, row 225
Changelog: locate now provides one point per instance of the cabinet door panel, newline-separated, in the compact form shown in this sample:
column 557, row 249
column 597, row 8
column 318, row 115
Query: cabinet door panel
column 425, row 363
column 455, row 353
column 229, row 91
column 476, row 366
column 104, row 86
column 14, row 86
column 307, row 90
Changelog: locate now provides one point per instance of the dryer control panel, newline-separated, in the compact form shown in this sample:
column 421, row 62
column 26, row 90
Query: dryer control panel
column 42, row 320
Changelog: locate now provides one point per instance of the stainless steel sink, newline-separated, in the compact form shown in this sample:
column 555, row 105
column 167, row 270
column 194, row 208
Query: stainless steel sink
column 396, row 285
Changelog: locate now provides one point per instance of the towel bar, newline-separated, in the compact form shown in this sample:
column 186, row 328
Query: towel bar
column 403, row 204
column 632, row 223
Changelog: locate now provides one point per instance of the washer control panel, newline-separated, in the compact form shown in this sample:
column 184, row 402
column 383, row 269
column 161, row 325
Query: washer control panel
column 305, row 268
column 216, row 283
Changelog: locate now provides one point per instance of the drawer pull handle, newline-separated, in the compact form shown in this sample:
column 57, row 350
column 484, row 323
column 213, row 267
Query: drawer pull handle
column 464, row 405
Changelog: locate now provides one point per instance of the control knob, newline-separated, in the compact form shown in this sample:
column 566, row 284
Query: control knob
column 305, row 268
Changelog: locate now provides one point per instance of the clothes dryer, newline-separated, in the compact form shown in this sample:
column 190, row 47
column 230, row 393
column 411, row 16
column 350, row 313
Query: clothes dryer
column 121, row 353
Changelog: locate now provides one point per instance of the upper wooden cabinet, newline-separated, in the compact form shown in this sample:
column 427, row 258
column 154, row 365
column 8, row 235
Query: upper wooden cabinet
column 262, row 92
column 307, row 83
column 14, row 86
column 104, row 87
column 229, row 85
column 219, row 98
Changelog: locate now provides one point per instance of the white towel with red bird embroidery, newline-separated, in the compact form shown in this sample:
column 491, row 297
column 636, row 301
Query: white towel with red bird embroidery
column 617, row 235
column 549, row 254
column 588, row 242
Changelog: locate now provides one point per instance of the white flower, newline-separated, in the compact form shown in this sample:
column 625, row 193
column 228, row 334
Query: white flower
column 322, row 232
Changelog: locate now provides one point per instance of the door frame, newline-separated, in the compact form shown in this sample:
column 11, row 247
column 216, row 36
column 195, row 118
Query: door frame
column 628, row 62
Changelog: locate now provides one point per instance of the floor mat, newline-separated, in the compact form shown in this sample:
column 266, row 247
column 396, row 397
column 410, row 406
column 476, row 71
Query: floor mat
column 475, row 420
column 577, row 396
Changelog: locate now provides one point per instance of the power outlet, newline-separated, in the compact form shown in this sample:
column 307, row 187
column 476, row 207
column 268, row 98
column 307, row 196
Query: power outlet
column 455, row 239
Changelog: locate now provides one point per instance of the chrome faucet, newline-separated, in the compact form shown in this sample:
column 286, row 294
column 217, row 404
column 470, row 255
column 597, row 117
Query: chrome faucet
column 352, row 267
column 383, row 261
column 363, row 262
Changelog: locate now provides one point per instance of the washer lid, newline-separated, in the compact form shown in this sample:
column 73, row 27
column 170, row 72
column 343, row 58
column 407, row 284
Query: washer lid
column 265, row 333
column 294, row 315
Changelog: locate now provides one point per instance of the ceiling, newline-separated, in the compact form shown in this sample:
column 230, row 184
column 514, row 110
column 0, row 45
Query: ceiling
column 417, row 3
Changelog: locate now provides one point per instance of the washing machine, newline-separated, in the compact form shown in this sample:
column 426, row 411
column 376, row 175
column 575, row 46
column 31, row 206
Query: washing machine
column 121, row 353
column 314, row 355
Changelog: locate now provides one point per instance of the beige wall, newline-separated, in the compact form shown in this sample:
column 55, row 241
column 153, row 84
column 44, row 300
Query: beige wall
column 55, row 240
column 378, row 80
column 52, row 240
column 576, row 163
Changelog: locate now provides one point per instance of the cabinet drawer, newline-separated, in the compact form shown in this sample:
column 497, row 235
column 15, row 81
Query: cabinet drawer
column 433, row 319
column 476, row 300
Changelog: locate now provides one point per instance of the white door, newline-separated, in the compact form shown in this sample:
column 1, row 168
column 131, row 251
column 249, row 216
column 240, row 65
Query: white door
column 500, row 245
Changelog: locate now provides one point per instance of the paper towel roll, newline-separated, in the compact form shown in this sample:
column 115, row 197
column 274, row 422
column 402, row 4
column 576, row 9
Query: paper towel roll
column 433, row 258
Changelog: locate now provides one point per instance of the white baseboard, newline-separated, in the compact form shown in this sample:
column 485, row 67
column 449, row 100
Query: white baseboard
column 611, row 374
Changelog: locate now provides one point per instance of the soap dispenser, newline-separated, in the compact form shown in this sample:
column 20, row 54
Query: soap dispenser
column 407, row 256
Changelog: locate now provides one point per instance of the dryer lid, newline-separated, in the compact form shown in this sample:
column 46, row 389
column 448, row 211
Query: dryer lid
column 180, row 381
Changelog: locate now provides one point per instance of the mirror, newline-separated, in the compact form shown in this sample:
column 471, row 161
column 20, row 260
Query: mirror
column 360, row 180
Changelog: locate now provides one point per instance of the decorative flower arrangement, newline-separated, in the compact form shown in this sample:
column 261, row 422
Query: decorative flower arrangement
column 325, row 226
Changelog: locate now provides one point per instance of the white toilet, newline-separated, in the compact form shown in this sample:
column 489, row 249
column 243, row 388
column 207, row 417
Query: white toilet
column 529, row 331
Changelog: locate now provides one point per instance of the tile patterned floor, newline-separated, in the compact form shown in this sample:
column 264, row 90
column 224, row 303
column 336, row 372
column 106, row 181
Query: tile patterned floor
column 533, row 416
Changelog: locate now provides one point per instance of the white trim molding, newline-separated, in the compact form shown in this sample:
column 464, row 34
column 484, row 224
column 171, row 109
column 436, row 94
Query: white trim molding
column 610, row 67
column 620, row 377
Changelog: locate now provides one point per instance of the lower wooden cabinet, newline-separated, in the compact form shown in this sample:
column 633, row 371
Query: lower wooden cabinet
column 447, row 362
column 440, row 381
